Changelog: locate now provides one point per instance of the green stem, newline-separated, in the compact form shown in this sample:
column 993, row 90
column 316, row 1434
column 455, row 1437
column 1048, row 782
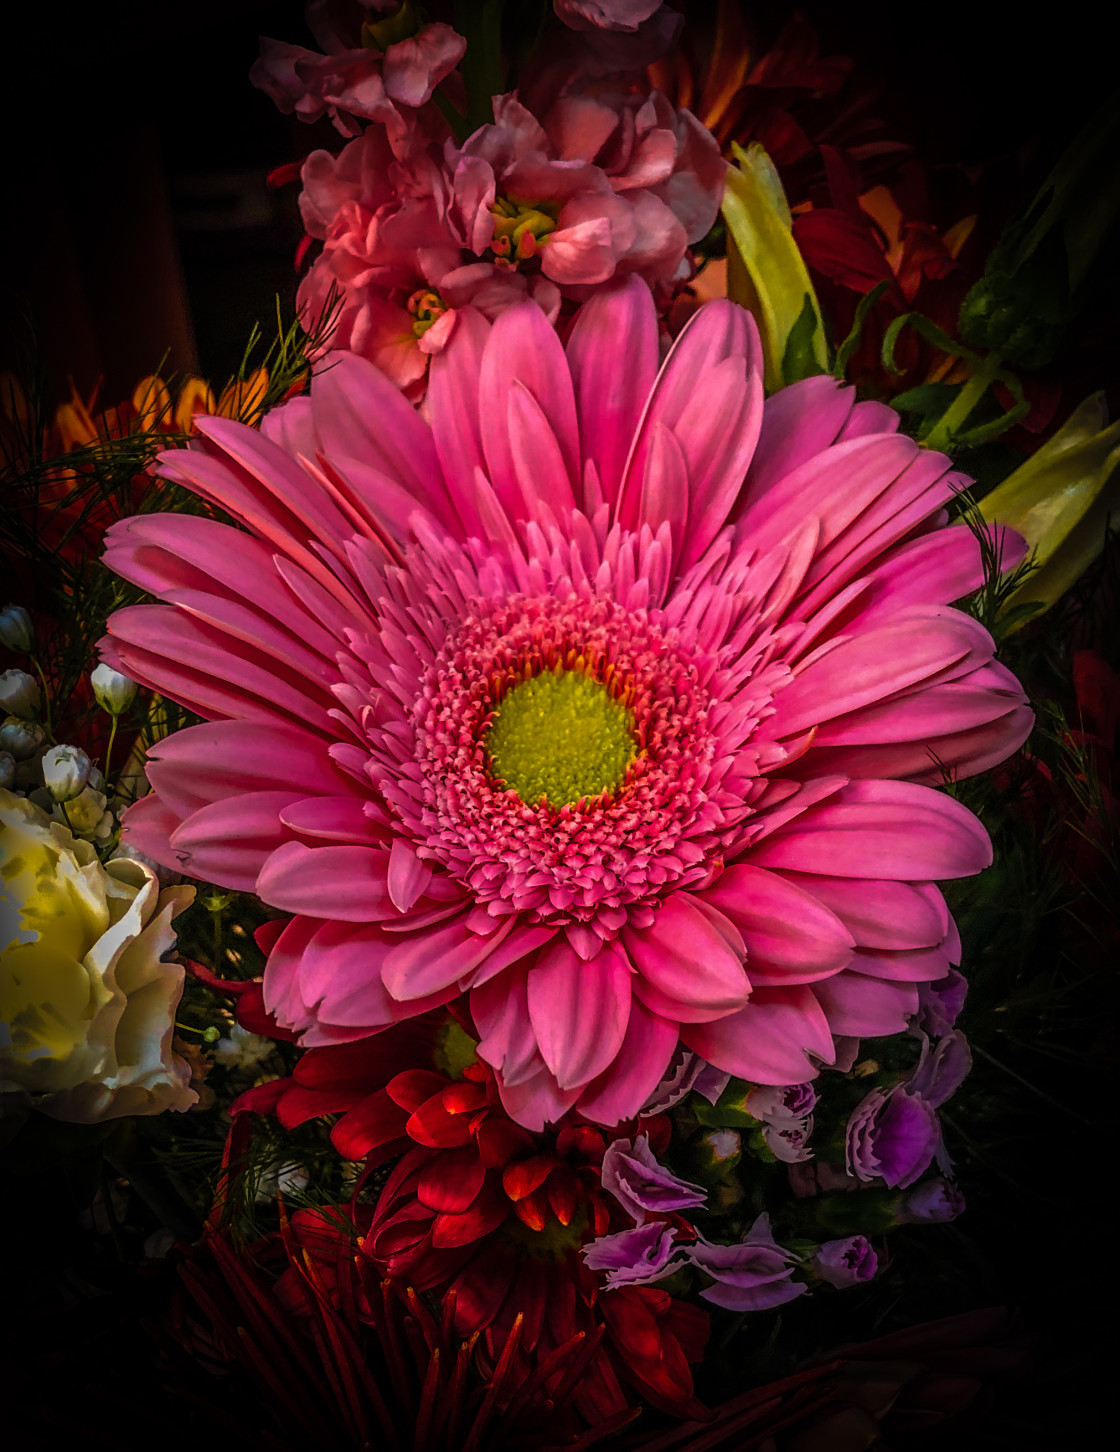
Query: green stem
column 480, row 22
column 952, row 421
column 109, row 748
column 46, row 695
column 460, row 126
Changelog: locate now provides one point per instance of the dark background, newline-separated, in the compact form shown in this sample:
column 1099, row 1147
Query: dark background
column 140, row 227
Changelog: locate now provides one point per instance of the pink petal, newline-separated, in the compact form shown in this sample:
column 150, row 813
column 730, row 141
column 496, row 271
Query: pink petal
column 429, row 961
column 361, row 414
column 408, row 877
column 883, row 914
column 579, row 1011
column 228, row 841
column 618, row 319
column 689, row 963
column 501, row 1015
column 147, row 827
column 834, row 486
column 859, row 670
column 347, row 883
column 159, row 552
column 523, row 345
column 786, row 929
column 637, row 1069
column 209, row 665
column 866, row 1007
column 537, row 1101
column 453, row 403
column 535, row 455
column 337, row 819
column 770, row 1039
column 894, row 830
column 799, row 422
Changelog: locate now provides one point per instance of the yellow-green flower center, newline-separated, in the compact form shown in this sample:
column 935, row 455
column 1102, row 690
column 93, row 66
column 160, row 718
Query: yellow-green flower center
column 560, row 736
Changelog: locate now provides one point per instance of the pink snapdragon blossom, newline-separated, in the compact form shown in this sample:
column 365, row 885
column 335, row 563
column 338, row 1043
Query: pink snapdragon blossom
column 607, row 693
column 605, row 14
column 352, row 85
column 605, row 182
column 608, row 183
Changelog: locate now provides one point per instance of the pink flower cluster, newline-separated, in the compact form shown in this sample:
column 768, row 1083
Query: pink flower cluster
column 606, row 183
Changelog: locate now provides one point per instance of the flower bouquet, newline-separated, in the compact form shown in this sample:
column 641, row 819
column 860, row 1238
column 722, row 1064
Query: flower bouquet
column 520, row 812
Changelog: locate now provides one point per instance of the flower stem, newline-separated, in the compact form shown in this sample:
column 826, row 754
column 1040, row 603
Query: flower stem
column 109, row 748
column 944, row 432
column 480, row 21
column 46, row 695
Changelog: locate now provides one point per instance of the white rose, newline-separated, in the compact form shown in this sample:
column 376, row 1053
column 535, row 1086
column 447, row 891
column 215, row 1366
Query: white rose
column 87, row 1004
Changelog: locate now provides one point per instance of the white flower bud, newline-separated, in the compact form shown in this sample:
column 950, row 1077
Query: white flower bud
column 7, row 770
column 16, row 630
column 114, row 692
column 19, row 694
column 21, row 738
column 66, row 771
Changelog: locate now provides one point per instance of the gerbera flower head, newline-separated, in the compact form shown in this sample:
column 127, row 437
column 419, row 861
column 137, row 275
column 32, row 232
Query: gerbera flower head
column 540, row 702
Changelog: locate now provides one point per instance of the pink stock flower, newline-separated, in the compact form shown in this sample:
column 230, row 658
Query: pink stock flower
column 605, row 14
column 540, row 702
column 607, row 184
column 360, row 84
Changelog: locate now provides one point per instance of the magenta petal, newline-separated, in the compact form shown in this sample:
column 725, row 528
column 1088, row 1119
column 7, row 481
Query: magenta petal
column 227, row 842
column 536, row 1101
column 209, row 762
column 770, row 1040
column 618, row 318
column 523, row 345
column 689, row 963
column 886, row 829
column 784, row 926
column 453, row 398
column 858, row 671
column 408, row 877
column 501, row 1015
column 579, row 1010
column 883, row 914
column 428, row 961
column 866, row 1007
column 621, row 1090
column 336, row 819
column 798, row 422
column 328, row 882
column 147, row 827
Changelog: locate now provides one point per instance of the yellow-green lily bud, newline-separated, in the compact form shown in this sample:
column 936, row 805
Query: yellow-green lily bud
column 766, row 272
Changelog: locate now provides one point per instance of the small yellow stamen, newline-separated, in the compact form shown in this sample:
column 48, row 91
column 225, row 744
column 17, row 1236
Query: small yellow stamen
column 520, row 227
column 425, row 306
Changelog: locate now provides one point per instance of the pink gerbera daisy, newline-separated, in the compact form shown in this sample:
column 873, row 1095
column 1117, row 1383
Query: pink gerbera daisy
column 540, row 702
